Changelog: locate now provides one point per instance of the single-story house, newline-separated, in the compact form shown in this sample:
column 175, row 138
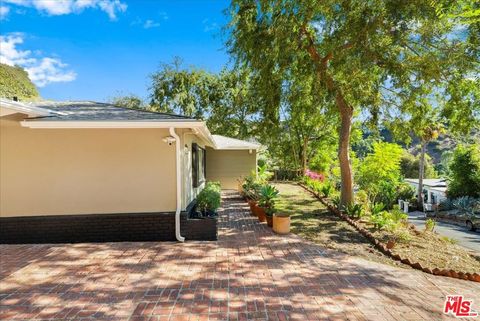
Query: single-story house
column 88, row 172
column 434, row 190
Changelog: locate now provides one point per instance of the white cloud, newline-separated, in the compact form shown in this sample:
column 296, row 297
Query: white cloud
column 41, row 70
column 49, row 70
column 62, row 7
column 209, row 25
column 150, row 24
column 4, row 10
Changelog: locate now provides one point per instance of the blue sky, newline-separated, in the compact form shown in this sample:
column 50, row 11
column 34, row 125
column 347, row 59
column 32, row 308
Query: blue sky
column 95, row 49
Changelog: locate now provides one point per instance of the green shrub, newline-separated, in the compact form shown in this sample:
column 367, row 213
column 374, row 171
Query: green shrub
column 397, row 215
column 209, row 199
column 402, row 235
column 354, row 210
column 464, row 168
column 377, row 208
column 326, row 189
column 450, row 240
column 405, row 192
column 336, row 201
column 380, row 220
column 430, row 225
column 388, row 219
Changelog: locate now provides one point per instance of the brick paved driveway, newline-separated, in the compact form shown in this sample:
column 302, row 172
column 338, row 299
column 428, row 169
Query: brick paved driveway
column 249, row 274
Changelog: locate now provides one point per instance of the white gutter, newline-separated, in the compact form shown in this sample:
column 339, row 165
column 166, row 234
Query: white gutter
column 179, row 237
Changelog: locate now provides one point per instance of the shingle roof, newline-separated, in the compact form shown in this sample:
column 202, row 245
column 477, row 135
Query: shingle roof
column 431, row 182
column 223, row 142
column 94, row 111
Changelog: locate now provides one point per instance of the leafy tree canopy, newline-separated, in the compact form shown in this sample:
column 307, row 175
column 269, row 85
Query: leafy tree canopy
column 224, row 100
column 464, row 177
column 385, row 57
column 129, row 101
column 14, row 82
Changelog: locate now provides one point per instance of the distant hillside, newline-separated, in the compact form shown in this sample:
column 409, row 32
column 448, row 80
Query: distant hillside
column 435, row 149
column 14, row 82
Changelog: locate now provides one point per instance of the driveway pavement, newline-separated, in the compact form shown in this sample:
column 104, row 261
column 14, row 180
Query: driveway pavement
column 467, row 239
column 249, row 274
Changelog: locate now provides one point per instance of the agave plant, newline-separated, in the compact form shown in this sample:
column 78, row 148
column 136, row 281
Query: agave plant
column 465, row 205
column 268, row 194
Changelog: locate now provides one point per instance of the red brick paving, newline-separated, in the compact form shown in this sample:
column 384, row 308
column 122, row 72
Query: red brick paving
column 249, row 274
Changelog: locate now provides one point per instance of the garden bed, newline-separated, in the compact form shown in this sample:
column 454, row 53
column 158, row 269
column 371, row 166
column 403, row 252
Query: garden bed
column 314, row 222
column 425, row 251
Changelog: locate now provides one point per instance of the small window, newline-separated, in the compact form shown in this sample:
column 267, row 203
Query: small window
column 198, row 165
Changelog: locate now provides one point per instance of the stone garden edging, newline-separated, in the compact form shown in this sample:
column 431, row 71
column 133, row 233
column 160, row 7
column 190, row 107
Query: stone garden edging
column 382, row 247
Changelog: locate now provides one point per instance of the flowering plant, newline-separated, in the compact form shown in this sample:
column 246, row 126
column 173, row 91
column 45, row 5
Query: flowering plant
column 314, row 175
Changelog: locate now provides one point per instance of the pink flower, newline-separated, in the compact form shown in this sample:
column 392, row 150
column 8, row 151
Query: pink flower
column 314, row 175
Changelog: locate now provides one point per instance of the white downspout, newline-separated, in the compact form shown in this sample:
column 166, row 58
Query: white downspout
column 179, row 237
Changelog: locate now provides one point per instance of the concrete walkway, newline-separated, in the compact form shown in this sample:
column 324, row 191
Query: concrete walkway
column 249, row 274
column 467, row 239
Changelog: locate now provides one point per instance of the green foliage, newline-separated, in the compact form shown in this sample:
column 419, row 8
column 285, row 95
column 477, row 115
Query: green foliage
column 223, row 99
column 401, row 235
column 430, row 225
column 354, row 210
column 14, row 82
column 209, row 198
column 405, row 192
column 268, row 195
column 466, row 205
column 464, row 177
column 409, row 166
column 383, row 58
column 128, row 101
column 263, row 175
column 377, row 208
column 388, row 219
column 449, row 240
column 380, row 220
column 379, row 173
column 326, row 189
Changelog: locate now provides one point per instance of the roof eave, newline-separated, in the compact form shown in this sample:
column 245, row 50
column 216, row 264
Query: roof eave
column 175, row 123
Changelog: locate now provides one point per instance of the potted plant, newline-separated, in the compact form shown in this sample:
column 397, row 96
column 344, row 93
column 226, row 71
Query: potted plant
column 281, row 223
column 269, row 212
column 268, row 194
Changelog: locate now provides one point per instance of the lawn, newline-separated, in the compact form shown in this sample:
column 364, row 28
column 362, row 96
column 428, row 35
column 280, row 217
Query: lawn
column 311, row 220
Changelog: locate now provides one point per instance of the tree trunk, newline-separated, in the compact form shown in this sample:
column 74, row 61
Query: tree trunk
column 304, row 154
column 346, row 114
column 421, row 173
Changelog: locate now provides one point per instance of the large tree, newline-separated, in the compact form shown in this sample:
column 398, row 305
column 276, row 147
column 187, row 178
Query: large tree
column 354, row 48
column 224, row 100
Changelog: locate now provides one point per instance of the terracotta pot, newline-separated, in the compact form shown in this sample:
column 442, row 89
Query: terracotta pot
column 261, row 214
column 391, row 244
column 252, row 205
column 269, row 220
column 281, row 224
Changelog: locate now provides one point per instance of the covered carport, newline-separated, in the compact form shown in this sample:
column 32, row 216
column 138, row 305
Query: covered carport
column 230, row 160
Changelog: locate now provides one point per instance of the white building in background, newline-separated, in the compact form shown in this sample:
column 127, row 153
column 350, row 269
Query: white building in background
column 434, row 190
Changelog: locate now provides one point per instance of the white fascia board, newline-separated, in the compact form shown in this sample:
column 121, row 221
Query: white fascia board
column 26, row 110
column 110, row 124
column 45, row 124
column 238, row 148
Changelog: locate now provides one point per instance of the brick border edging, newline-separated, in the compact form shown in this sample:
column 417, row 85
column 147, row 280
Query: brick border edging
column 382, row 247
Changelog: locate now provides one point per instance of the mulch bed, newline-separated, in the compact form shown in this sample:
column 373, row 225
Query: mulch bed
column 382, row 247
